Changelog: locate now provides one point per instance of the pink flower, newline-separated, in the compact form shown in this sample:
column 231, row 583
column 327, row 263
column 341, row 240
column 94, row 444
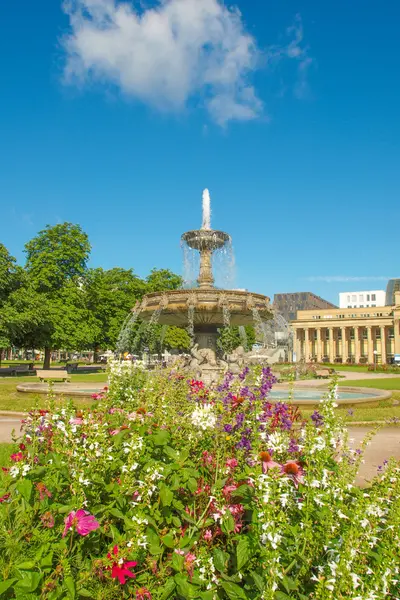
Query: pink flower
column 228, row 489
column 17, row 457
column 231, row 463
column 267, row 462
column 47, row 520
column 189, row 566
column 80, row 520
column 114, row 431
column 208, row 535
column 76, row 421
column 120, row 570
column 293, row 470
column 143, row 594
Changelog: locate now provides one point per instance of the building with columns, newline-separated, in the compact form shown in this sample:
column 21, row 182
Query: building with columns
column 356, row 335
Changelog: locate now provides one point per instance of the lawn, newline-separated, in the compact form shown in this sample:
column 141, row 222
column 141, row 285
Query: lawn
column 10, row 399
column 380, row 384
column 376, row 412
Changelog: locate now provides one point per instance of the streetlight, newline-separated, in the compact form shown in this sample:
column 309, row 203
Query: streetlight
column 375, row 355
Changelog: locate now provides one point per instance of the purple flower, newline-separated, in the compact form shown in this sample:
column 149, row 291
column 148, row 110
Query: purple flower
column 350, row 412
column 243, row 374
column 317, row 419
column 228, row 428
column 244, row 443
column 239, row 420
column 293, row 446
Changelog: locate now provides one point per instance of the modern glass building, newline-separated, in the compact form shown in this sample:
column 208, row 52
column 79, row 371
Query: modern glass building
column 392, row 287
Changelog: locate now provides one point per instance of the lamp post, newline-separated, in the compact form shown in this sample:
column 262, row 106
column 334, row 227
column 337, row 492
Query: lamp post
column 375, row 355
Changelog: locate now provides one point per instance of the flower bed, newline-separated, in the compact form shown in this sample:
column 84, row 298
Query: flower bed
column 169, row 490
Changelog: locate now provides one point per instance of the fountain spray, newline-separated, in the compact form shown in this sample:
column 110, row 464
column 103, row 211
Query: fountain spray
column 206, row 210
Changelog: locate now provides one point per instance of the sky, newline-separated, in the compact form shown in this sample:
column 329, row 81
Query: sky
column 116, row 115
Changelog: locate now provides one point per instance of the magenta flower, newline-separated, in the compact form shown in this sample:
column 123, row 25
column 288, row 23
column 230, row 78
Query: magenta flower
column 80, row 520
column 120, row 570
column 267, row 462
column 17, row 457
column 76, row 421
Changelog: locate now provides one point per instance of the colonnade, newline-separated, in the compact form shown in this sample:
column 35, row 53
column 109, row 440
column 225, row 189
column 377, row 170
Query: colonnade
column 364, row 343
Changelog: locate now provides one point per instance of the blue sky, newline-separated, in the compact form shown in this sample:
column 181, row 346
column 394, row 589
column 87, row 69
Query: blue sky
column 290, row 118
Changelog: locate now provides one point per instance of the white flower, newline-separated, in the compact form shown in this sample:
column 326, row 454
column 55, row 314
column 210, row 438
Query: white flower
column 14, row 471
column 277, row 441
column 364, row 523
column 341, row 515
column 204, row 417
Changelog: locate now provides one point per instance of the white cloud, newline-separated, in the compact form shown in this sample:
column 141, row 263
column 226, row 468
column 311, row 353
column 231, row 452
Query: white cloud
column 169, row 53
column 344, row 278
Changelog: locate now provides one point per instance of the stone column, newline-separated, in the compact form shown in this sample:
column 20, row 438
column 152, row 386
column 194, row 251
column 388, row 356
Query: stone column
column 383, row 345
column 306, row 344
column 331, row 344
column 319, row 353
column 370, row 345
column 344, row 345
column 357, row 344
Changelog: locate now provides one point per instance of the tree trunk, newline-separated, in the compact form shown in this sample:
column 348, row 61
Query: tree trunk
column 96, row 355
column 47, row 356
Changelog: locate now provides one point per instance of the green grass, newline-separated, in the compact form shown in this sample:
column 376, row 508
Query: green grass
column 380, row 384
column 10, row 399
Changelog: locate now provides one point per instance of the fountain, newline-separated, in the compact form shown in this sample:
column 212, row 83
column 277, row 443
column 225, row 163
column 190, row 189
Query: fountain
column 204, row 309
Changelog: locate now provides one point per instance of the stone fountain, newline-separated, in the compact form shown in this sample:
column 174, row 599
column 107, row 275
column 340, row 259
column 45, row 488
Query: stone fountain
column 204, row 309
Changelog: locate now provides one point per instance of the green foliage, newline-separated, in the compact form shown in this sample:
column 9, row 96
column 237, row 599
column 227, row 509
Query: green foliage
column 57, row 255
column 229, row 339
column 163, row 279
column 177, row 337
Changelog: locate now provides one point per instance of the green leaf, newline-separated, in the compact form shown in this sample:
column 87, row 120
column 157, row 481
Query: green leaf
column 85, row 593
column 24, row 486
column 244, row 493
column 177, row 562
column 161, row 438
column 168, row 541
column 5, row 585
column 258, row 580
column 233, row 591
column 166, row 495
column 26, row 566
column 207, row 595
column 282, row 596
column 70, row 585
column 116, row 513
column 185, row 589
column 30, row 581
column 289, row 584
column 168, row 588
column 242, row 552
column 228, row 523
column 192, row 484
column 220, row 559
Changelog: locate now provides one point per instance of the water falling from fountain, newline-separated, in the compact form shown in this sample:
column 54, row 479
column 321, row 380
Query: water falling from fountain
column 259, row 326
column 243, row 337
column 206, row 210
column 124, row 334
column 226, row 315
column 190, row 325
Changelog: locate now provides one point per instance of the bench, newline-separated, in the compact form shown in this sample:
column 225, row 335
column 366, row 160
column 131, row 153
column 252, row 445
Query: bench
column 322, row 373
column 46, row 374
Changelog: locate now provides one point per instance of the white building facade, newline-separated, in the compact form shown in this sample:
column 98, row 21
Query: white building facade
column 366, row 299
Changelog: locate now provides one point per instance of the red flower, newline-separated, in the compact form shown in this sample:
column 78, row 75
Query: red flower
column 4, row 498
column 22, row 447
column 120, row 570
column 80, row 520
column 17, row 457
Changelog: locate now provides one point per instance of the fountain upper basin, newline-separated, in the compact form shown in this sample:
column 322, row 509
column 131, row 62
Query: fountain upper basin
column 205, row 239
column 209, row 306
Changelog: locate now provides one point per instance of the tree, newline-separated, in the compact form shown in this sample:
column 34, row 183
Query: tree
column 229, row 339
column 177, row 337
column 163, row 279
column 11, row 277
column 49, row 311
column 110, row 295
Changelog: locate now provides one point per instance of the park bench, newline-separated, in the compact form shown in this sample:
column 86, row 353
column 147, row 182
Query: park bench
column 72, row 367
column 46, row 374
column 322, row 373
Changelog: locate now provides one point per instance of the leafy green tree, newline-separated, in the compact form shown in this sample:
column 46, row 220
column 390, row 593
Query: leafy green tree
column 163, row 279
column 11, row 277
column 177, row 337
column 110, row 295
column 49, row 311
column 229, row 339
